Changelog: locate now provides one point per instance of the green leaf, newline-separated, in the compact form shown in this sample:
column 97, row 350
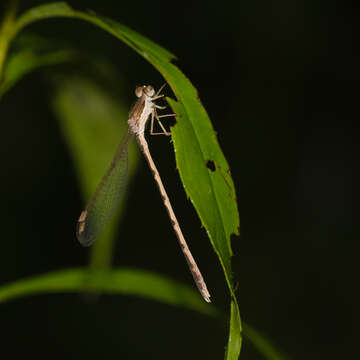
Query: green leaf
column 129, row 282
column 212, row 193
column 7, row 28
column 92, row 122
column 235, row 341
column 29, row 59
column 123, row 281
column 32, row 52
column 263, row 344
column 211, row 190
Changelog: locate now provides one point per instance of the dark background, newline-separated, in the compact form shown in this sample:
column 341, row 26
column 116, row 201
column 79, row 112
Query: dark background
column 279, row 80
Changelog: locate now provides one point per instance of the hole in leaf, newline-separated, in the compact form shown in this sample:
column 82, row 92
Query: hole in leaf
column 235, row 245
column 171, row 120
column 210, row 165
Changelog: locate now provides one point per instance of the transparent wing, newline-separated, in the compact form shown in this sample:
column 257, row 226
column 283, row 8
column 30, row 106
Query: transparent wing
column 106, row 198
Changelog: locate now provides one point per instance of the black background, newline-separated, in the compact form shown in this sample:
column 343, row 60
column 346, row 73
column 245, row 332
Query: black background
column 279, row 80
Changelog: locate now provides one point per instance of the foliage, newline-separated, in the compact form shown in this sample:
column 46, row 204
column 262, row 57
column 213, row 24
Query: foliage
column 202, row 166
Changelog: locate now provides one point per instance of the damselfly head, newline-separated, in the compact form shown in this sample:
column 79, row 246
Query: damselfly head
column 149, row 90
column 145, row 89
column 139, row 91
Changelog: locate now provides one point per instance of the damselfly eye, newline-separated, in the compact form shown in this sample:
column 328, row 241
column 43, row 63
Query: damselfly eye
column 139, row 91
column 149, row 90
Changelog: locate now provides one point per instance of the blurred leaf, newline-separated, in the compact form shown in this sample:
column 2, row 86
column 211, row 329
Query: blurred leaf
column 93, row 123
column 24, row 61
column 31, row 53
column 263, row 344
column 128, row 282
column 7, row 28
column 124, row 281
column 202, row 166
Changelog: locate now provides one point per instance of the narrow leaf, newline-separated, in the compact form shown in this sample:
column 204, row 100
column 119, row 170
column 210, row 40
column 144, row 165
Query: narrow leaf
column 122, row 281
column 263, row 344
column 134, row 283
column 27, row 60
